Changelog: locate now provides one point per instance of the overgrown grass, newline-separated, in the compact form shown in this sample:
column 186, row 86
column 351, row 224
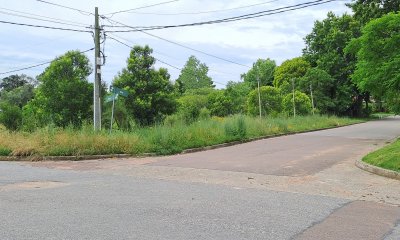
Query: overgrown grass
column 387, row 157
column 161, row 139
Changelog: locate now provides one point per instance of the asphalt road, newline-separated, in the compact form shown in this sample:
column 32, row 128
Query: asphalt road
column 302, row 186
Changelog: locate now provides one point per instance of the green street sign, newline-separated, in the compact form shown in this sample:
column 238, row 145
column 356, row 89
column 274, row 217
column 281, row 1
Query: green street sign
column 111, row 98
column 120, row 91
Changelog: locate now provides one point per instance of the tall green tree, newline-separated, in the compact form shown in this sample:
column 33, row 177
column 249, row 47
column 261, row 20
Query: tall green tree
column 366, row 10
column 378, row 55
column 14, row 81
column 325, row 49
column 262, row 70
column 271, row 101
column 194, row 75
column 237, row 93
column 318, row 84
column 64, row 93
column 151, row 94
column 289, row 70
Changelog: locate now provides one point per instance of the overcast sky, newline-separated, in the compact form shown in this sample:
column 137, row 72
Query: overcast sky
column 278, row 37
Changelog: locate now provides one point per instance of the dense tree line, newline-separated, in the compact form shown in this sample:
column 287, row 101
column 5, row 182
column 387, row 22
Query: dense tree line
column 349, row 63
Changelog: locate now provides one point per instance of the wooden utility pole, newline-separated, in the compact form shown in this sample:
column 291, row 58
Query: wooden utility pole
column 97, row 74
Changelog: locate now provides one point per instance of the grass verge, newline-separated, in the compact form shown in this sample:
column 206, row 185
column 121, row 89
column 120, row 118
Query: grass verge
column 387, row 157
column 161, row 139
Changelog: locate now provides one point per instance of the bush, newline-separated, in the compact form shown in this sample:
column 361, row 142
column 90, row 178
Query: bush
column 236, row 128
column 190, row 106
column 302, row 103
column 271, row 101
column 10, row 116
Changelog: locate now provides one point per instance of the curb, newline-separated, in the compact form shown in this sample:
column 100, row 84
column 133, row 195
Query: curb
column 228, row 144
column 377, row 170
column 190, row 150
column 71, row 158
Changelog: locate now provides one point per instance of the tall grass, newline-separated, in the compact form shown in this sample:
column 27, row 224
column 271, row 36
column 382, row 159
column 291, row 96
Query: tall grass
column 162, row 139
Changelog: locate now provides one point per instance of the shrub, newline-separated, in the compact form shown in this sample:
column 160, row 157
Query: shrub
column 302, row 103
column 10, row 116
column 271, row 101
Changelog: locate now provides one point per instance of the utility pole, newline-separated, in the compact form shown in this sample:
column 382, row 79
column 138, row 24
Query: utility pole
column 259, row 94
column 97, row 74
column 294, row 104
column 312, row 99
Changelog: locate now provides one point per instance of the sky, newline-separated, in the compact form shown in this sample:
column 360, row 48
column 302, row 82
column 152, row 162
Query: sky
column 278, row 37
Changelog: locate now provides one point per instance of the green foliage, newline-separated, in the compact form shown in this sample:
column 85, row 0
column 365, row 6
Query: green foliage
column 386, row 157
column 378, row 55
column 237, row 93
column 14, row 81
column 10, row 116
column 4, row 151
column 263, row 70
column 18, row 96
column 219, row 104
column 189, row 106
column 320, row 83
column 302, row 103
column 290, row 69
column 64, row 93
column 204, row 114
column 151, row 95
column 236, row 129
column 325, row 50
column 194, row 76
column 366, row 10
column 271, row 101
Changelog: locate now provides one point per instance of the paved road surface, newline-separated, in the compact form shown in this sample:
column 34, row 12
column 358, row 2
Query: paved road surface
column 302, row 186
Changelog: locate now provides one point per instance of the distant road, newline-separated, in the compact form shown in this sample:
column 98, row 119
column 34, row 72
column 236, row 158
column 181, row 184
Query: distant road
column 302, row 186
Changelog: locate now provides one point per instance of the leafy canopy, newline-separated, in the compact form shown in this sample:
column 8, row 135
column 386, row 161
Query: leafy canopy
column 150, row 91
column 263, row 69
column 194, row 76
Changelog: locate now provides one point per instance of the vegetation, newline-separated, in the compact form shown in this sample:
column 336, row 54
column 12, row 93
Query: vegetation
column 349, row 67
column 386, row 157
column 167, row 138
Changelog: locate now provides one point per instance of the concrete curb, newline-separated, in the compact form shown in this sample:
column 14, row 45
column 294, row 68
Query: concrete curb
column 71, row 158
column 191, row 150
column 377, row 170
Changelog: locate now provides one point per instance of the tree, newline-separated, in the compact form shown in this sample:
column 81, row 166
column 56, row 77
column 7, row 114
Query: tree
column 320, row 83
column 64, row 92
column 366, row 10
column 14, row 81
column 194, row 75
column 271, row 101
column 378, row 58
column 237, row 93
column 302, row 103
column 289, row 70
column 263, row 69
column 19, row 96
column 325, row 50
column 219, row 104
column 151, row 94
column 189, row 106
column 10, row 116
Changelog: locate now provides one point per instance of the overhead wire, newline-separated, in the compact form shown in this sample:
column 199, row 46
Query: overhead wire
column 66, row 7
column 230, row 19
column 44, row 17
column 47, row 27
column 37, row 65
column 147, row 6
column 168, row 64
column 205, row 12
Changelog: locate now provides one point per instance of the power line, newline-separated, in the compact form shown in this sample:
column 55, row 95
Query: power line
column 46, row 17
column 231, row 19
column 48, row 27
column 175, row 67
column 66, row 7
column 147, row 6
column 37, row 65
column 184, row 46
column 205, row 12
column 44, row 20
